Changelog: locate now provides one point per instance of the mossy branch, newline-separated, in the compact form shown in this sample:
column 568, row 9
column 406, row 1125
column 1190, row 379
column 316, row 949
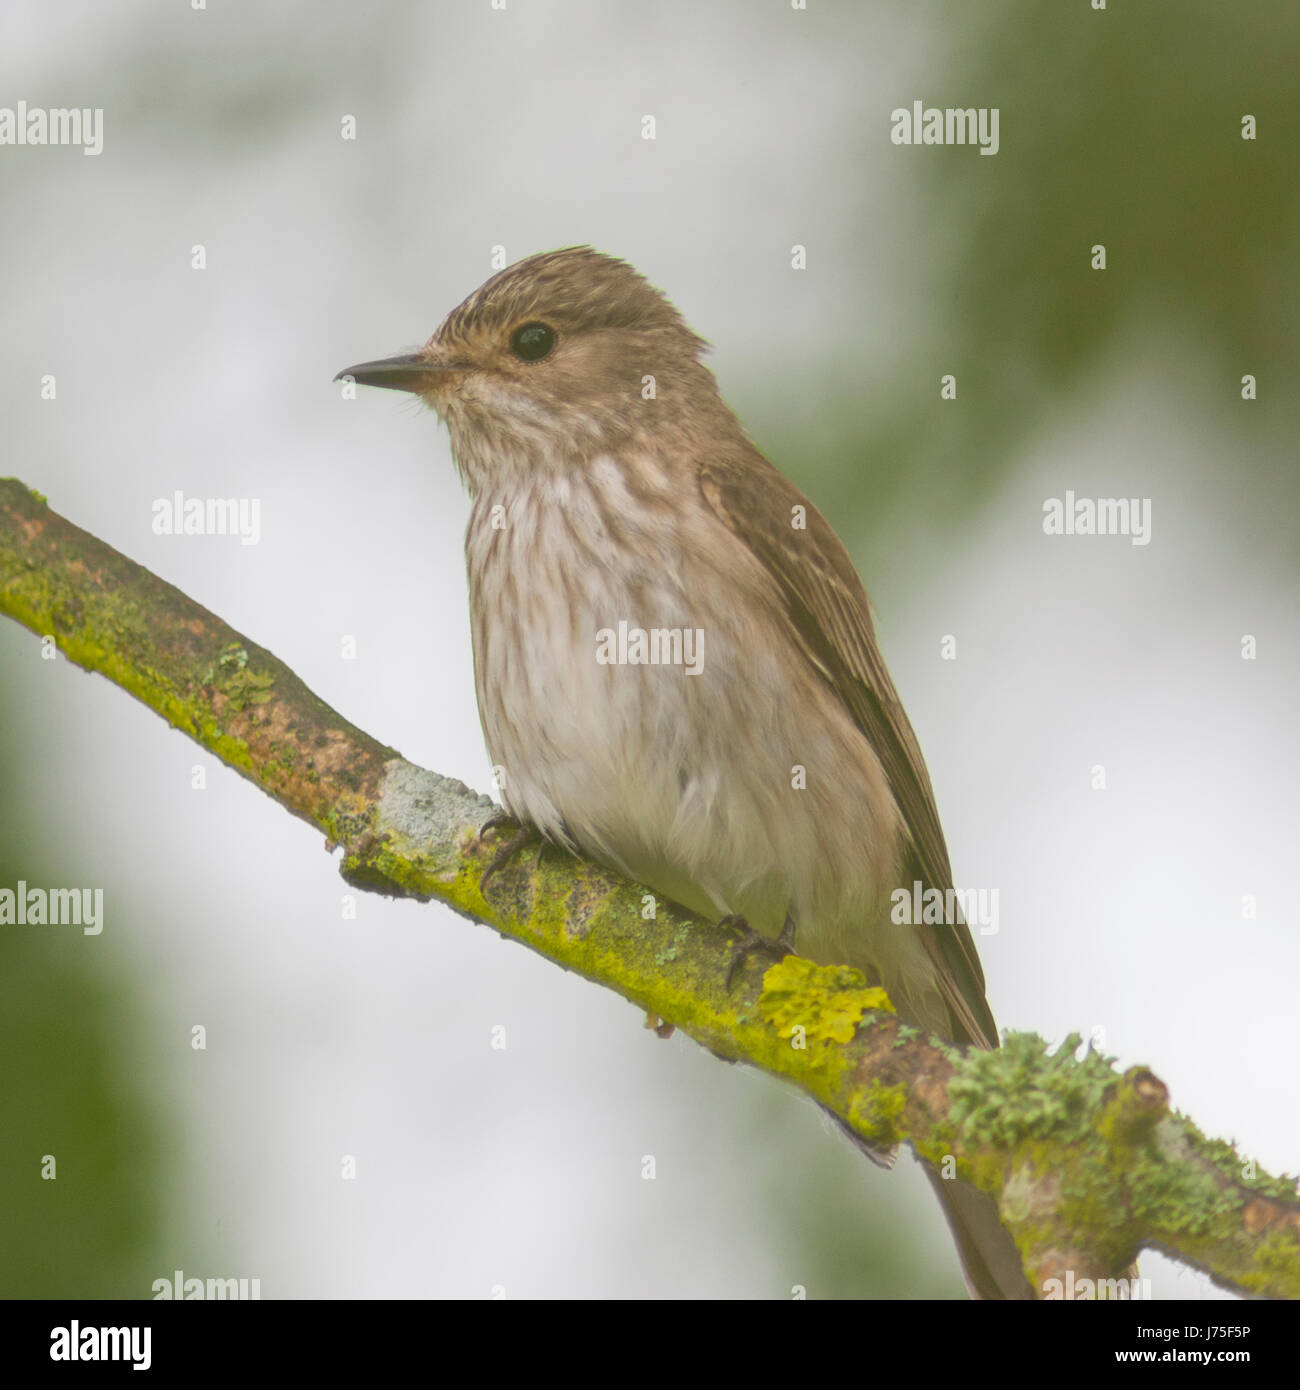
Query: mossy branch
column 1088, row 1166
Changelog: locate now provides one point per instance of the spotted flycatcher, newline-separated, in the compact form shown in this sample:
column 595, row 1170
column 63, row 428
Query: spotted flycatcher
column 675, row 662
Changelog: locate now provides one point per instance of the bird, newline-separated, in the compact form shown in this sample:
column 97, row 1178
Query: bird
column 621, row 520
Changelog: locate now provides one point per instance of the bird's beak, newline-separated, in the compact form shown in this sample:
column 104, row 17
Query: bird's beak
column 408, row 372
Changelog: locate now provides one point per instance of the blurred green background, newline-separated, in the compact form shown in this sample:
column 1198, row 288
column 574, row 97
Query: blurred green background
column 521, row 128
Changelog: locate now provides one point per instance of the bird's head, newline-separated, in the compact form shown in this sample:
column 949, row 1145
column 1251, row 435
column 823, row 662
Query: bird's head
column 553, row 361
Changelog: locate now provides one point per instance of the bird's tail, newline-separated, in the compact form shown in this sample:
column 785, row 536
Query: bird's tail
column 990, row 1261
column 989, row 1258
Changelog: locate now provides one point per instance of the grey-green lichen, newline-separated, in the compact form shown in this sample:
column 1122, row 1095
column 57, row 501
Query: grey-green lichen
column 240, row 684
column 666, row 955
column 1021, row 1091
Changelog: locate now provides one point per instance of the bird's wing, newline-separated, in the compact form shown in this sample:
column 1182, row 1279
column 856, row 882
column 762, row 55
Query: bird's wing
column 831, row 617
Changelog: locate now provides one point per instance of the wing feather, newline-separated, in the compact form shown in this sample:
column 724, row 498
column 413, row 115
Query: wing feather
column 831, row 617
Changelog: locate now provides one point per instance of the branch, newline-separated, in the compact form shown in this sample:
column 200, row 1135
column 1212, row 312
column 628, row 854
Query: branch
column 1088, row 1166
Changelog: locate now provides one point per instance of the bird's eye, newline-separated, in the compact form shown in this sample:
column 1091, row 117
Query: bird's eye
column 533, row 341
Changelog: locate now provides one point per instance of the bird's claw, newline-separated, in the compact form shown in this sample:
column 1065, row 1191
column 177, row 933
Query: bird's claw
column 753, row 943
column 523, row 836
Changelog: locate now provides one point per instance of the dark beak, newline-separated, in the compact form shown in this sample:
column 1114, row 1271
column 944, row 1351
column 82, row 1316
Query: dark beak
column 406, row 372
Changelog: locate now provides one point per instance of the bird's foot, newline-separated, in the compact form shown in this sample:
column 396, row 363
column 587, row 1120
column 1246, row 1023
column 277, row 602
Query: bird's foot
column 495, row 821
column 753, row 943
column 523, row 837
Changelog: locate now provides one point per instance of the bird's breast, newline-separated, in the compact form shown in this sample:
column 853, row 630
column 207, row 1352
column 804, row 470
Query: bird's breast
column 586, row 642
column 642, row 698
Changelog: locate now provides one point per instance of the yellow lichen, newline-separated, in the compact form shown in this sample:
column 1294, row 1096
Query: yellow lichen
column 825, row 1001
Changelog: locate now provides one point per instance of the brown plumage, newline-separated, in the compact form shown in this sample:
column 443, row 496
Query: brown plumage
column 828, row 609
column 780, row 780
